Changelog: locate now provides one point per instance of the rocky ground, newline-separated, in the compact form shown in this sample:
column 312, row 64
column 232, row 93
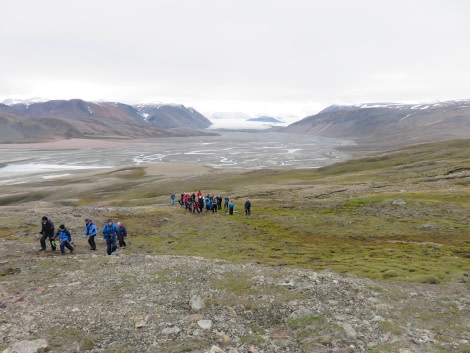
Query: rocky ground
column 135, row 302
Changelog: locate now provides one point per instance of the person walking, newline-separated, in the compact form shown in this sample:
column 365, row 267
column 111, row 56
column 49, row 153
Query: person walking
column 247, row 207
column 231, row 206
column 122, row 234
column 47, row 231
column 110, row 232
column 65, row 238
column 90, row 232
column 172, row 197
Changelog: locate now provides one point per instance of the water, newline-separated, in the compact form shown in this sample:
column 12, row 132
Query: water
column 241, row 150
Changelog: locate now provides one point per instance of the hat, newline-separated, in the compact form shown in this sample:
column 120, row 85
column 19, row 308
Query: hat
column 44, row 218
column 62, row 226
column 119, row 223
column 109, row 220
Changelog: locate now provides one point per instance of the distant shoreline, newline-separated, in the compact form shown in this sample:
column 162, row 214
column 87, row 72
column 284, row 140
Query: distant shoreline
column 71, row 144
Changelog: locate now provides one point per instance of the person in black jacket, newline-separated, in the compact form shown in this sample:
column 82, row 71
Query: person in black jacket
column 248, row 207
column 122, row 234
column 47, row 231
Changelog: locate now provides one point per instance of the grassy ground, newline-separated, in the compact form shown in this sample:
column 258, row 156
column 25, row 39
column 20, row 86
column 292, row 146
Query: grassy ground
column 340, row 217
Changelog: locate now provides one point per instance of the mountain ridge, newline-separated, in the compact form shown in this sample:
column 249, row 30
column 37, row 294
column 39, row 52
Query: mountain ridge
column 84, row 119
column 389, row 125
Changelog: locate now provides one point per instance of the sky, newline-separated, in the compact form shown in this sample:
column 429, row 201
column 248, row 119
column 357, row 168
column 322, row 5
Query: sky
column 260, row 57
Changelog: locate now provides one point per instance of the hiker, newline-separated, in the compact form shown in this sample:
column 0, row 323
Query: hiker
column 208, row 203
column 172, row 197
column 214, row 203
column 226, row 200
column 231, row 206
column 219, row 202
column 122, row 234
column 200, row 201
column 248, row 207
column 90, row 231
column 110, row 231
column 65, row 238
column 47, row 231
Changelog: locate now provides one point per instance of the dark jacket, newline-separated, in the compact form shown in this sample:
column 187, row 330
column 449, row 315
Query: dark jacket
column 48, row 228
column 122, row 230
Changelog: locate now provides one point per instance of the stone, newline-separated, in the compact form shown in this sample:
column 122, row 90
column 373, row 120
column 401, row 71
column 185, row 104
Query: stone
column 194, row 317
column 215, row 349
column 140, row 321
column 348, row 329
column 196, row 303
column 27, row 346
column 399, row 202
column 377, row 318
column 205, row 324
column 301, row 313
column 224, row 338
column 171, row 330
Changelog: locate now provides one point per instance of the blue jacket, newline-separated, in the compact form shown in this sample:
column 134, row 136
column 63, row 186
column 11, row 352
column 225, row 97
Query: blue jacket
column 90, row 229
column 64, row 235
column 110, row 231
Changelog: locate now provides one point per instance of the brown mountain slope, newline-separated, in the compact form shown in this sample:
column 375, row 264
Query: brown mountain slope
column 390, row 125
column 78, row 118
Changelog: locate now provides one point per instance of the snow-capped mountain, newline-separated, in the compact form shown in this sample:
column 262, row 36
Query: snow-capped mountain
column 391, row 124
column 79, row 118
column 170, row 116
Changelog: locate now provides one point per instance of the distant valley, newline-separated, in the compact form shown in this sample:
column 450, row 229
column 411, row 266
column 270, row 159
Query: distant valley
column 371, row 126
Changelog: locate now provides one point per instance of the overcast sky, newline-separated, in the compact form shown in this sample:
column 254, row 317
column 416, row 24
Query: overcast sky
column 255, row 56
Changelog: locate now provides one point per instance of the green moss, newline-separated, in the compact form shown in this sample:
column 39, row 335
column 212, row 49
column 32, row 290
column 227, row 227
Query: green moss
column 63, row 337
column 389, row 326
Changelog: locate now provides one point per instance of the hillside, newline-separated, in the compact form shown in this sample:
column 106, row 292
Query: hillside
column 369, row 255
column 386, row 125
column 172, row 116
column 81, row 119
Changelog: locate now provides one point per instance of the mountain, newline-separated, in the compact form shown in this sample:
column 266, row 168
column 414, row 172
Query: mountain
column 171, row 116
column 79, row 118
column 389, row 124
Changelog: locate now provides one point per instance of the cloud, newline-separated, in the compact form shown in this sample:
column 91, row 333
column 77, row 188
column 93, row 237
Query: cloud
column 291, row 54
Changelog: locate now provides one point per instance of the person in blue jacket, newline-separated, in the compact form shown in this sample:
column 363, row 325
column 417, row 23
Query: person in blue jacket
column 90, row 232
column 65, row 238
column 231, row 206
column 110, row 232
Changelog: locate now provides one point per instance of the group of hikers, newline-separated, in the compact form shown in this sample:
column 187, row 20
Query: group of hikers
column 197, row 202
column 111, row 232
